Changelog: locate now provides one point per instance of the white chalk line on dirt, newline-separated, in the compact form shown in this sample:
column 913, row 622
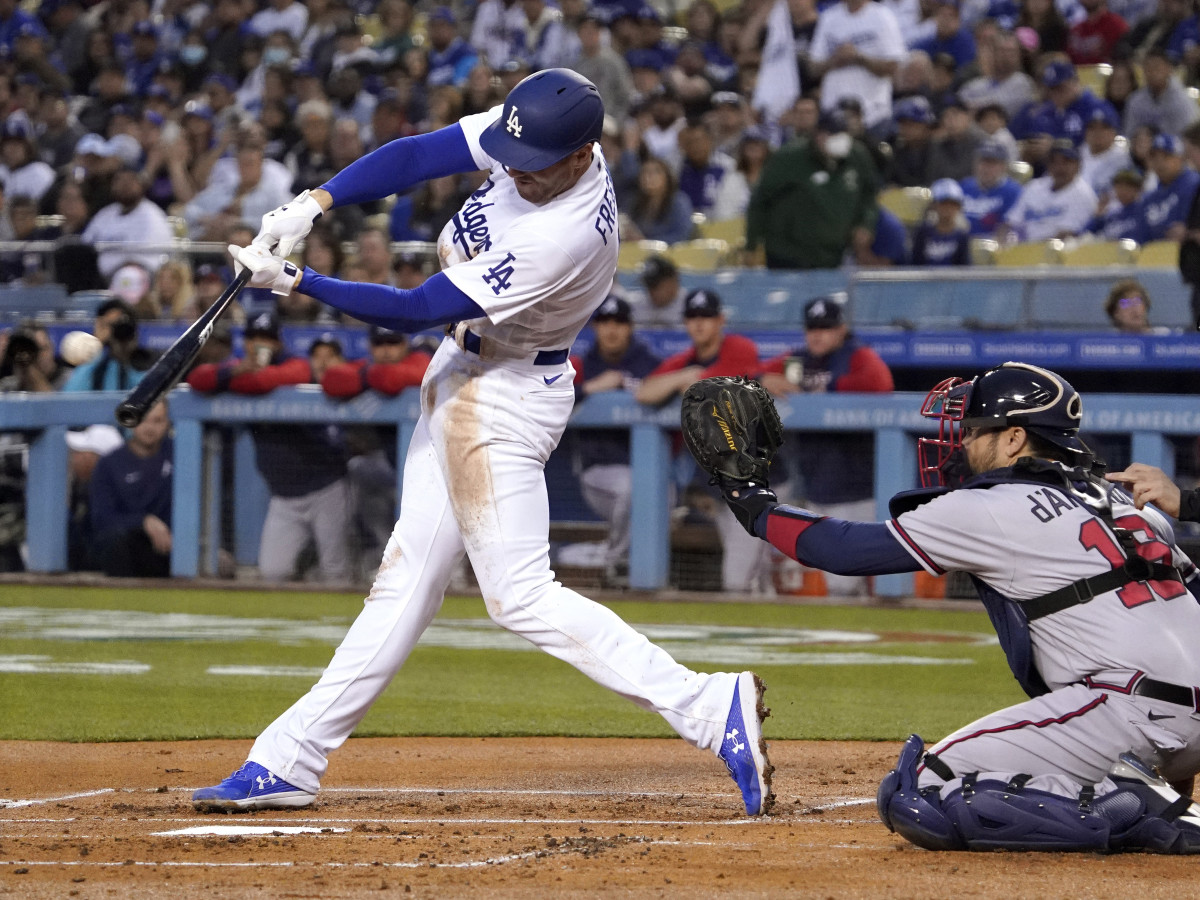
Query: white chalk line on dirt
column 16, row 804
column 290, row 864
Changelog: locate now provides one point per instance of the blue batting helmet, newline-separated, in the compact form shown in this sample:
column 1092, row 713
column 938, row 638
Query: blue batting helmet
column 546, row 116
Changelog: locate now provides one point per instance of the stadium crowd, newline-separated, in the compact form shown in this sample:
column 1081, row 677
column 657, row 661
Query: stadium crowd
column 808, row 135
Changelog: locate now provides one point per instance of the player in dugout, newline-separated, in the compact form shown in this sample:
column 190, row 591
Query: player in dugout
column 525, row 262
column 1094, row 606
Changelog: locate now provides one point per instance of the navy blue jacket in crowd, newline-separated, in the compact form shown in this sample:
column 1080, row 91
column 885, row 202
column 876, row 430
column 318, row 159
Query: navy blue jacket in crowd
column 126, row 488
column 932, row 248
column 610, row 446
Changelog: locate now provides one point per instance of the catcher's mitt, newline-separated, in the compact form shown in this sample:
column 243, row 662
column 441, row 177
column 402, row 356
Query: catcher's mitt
column 732, row 428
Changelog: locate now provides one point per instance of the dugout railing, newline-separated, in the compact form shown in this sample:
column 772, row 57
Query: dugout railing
column 1150, row 421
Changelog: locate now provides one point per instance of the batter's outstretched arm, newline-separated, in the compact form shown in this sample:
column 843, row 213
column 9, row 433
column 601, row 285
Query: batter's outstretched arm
column 435, row 302
column 400, row 164
column 834, row 545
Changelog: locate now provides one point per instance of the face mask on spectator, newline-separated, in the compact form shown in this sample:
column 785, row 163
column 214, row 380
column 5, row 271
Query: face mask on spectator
column 274, row 56
column 838, row 145
column 193, row 54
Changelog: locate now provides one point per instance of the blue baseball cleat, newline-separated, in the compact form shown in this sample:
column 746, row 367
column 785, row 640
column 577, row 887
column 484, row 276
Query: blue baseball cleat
column 251, row 787
column 743, row 750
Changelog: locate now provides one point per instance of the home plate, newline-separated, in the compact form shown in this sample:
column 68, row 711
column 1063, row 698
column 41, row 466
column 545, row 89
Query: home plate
column 248, row 830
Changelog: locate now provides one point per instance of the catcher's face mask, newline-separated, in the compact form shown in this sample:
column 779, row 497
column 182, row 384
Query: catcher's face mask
column 941, row 461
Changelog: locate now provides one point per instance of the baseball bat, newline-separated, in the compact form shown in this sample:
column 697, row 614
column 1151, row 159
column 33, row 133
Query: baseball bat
column 174, row 364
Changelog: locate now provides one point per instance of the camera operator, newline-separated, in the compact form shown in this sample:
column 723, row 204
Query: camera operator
column 28, row 362
column 122, row 363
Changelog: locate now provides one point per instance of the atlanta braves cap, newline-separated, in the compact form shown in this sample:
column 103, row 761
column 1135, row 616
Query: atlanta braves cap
column 614, row 309
column 824, row 312
column 701, row 303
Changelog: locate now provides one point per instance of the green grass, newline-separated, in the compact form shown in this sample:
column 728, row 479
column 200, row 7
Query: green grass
column 443, row 691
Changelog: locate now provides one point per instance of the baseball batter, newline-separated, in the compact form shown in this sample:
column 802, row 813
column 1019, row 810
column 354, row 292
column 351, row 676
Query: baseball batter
column 1095, row 607
column 526, row 261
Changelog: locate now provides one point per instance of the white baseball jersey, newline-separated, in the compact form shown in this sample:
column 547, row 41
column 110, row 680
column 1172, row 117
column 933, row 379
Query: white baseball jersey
column 1027, row 540
column 1041, row 212
column 539, row 272
column 876, row 33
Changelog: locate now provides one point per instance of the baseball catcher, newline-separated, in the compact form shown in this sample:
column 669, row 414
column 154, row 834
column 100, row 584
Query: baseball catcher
column 1092, row 600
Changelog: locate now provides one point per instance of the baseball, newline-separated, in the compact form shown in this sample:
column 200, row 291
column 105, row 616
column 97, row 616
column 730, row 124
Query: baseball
column 78, row 347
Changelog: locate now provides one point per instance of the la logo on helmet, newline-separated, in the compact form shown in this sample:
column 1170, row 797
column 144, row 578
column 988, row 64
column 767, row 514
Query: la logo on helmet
column 513, row 124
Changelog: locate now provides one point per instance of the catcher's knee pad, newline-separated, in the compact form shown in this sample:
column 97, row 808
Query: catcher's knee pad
column 911, row 813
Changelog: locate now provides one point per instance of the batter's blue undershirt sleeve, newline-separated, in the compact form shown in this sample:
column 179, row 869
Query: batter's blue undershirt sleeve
column 436, row 302
column 400, row 164
column 835, row 545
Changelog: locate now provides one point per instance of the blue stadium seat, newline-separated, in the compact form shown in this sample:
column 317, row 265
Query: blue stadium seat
column 26, row 301
column 985, row 303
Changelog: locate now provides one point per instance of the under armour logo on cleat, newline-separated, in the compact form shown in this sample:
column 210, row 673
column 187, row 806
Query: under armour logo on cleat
column 263, row 782
column 732, row 736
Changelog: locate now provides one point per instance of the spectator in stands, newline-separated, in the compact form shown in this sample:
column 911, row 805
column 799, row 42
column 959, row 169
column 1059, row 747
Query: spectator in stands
column 891, row 244
column 494, row 30
column 543, row 41
column 953, row 152
column 733, row 195
column 1128, row 307
column 1059, row 204
column 1122, row 216
column 949, row 35
column 450, row 57
column 1165, row 208
column 661, row 124
column 604, row 66
column 1092, row 39
column 814, row 201
column 616, row 361
column 704, row 168
column 289, row 16
column 17, row 266
column 1189, row 248
column 121, row 364
column 1162, row 103
column 713, row 352
column 173, row 294
column 855, row 50
column 838, row 468
column 412, row 269
column 243, row 189
column 943, row 237
column 373, row 264
column 659, row 211
column 1120, row 85
column 661, row 305
column 1047, row 23
column 130, row 502
column 58, row 129
column 1101, row 156
column 131, row 220
column 421, row 215
column 304, row 466
column 1064, row 113
column 22, row 172
column 308, row 159
column 1169, row 28
column 912, row 149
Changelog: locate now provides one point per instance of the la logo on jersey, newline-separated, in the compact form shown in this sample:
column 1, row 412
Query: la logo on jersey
column 513, row 124
column 499, row 276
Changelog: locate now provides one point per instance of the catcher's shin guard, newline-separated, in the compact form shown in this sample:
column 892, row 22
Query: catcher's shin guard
column 910, row 813
column 991, row 814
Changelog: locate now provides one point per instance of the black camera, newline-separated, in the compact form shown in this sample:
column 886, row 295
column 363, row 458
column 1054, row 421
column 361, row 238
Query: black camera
column 22, row 350
column 124, row 328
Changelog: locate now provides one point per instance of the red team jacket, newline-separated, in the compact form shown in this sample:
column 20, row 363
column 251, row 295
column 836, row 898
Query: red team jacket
column 352, row 378
column 738, row 356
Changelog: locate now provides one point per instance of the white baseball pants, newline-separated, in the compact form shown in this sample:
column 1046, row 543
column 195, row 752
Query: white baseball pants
column 473, row 481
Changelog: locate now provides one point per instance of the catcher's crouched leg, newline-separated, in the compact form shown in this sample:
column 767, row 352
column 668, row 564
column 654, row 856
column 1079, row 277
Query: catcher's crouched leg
column 1142, row 813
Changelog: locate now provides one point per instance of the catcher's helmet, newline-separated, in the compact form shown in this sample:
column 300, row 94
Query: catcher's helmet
column 546, row 116
column 1010, row 395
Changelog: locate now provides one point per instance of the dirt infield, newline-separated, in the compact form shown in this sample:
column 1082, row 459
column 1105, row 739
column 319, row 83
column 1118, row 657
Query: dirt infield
column 439, row 817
